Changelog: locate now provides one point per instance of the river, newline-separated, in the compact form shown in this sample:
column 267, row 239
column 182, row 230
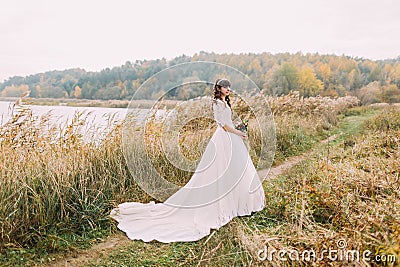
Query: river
column 98, row 120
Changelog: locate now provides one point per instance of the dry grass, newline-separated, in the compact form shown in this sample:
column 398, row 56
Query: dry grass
column 351, row 193
column 53, row 183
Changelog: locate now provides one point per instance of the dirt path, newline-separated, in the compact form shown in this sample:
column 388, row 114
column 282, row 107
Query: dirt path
column 290, row 162
column 86, row 256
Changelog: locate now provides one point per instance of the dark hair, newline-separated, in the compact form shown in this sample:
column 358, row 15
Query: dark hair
column 217, row 90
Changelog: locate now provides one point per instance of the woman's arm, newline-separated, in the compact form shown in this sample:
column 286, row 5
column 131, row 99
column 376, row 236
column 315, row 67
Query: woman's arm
column 218, row 107
column 235, row 131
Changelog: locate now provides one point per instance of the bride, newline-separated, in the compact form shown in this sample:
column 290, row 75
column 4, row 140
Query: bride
column 225, row 182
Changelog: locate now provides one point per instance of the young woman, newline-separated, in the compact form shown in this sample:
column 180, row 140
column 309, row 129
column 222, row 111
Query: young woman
column 224, row 185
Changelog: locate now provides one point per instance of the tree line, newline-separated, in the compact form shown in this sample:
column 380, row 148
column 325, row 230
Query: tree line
column 311, row 74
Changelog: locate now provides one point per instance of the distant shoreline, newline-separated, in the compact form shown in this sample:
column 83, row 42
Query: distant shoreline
column 91, row 102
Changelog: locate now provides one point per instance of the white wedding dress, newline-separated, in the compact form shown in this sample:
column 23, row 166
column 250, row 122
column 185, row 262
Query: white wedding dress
column 224, row 185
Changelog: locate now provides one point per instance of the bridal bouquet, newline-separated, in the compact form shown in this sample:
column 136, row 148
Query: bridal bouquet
column 242, row 126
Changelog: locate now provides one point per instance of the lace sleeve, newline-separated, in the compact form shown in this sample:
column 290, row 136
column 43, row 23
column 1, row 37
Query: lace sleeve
column 218, row 108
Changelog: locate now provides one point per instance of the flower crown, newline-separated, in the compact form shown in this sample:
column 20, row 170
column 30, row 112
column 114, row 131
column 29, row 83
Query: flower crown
column 223, row 79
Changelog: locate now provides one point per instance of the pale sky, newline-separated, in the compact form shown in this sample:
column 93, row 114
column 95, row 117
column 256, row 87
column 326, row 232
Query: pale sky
column 42, row 35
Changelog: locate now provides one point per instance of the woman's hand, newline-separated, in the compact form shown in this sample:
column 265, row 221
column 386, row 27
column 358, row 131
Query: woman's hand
column 243, row 135
column 227, row 128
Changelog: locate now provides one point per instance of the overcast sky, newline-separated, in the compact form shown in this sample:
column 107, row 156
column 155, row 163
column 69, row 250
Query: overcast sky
column 40, row 35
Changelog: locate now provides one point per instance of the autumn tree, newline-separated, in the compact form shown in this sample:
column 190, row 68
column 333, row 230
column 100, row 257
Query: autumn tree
column 324, row 71
column 15, row 90
column 395, row 74
column 287, row 78
column 309, row 84
column 77, row 92
column 390, row 94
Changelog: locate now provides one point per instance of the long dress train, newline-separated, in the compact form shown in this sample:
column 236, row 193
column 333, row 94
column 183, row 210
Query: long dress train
column 224, row 185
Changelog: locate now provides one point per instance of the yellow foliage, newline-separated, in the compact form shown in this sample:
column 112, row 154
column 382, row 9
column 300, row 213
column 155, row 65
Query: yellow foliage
column 14, row 90
column 77, row 92
column 309, row 85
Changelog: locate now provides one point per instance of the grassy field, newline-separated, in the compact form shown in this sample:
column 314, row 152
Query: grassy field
column 57, row 191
